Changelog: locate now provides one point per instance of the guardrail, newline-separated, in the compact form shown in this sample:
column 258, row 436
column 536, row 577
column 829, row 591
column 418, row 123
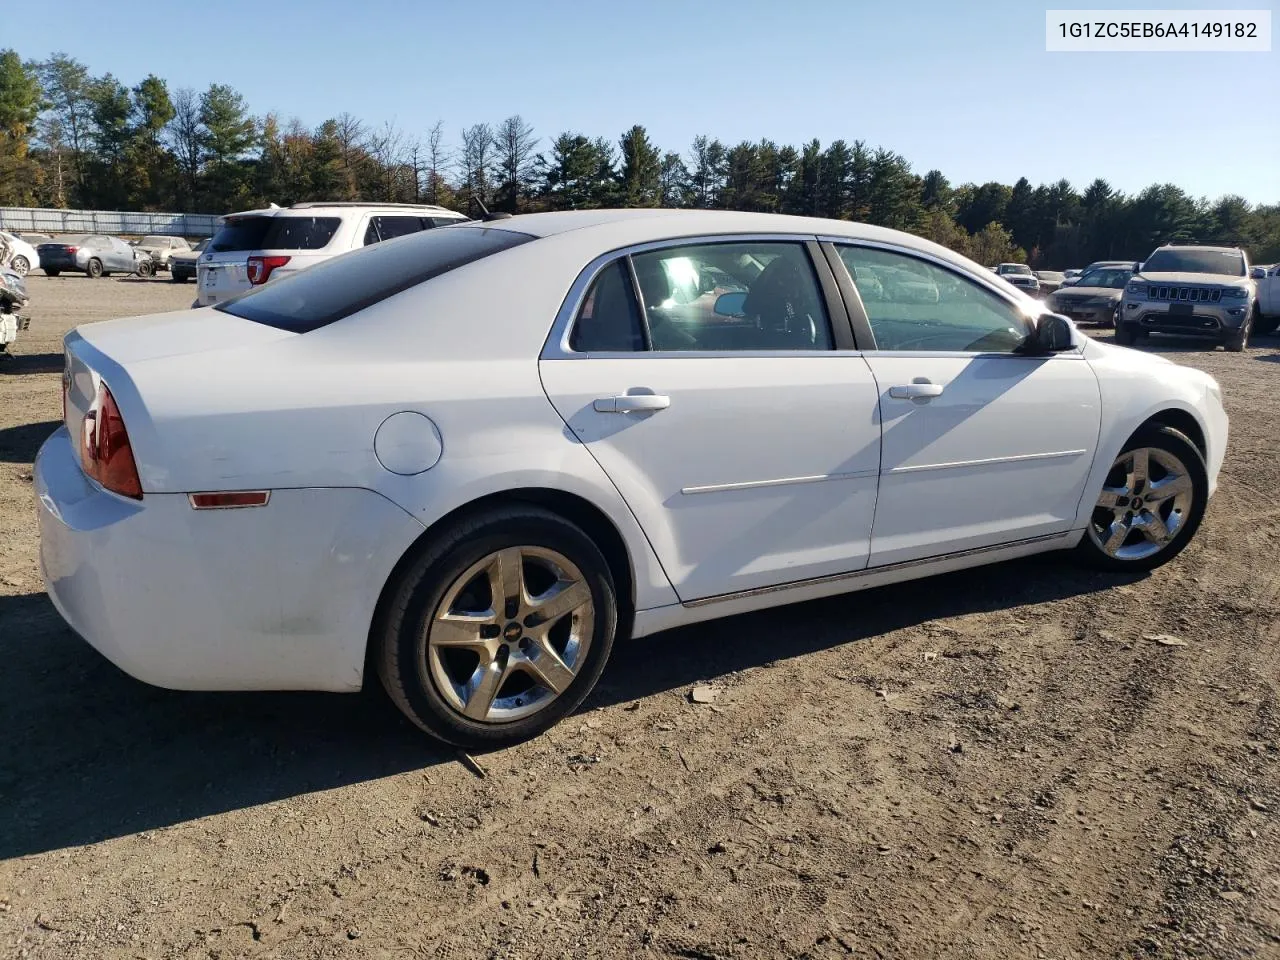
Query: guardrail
column 53, row 221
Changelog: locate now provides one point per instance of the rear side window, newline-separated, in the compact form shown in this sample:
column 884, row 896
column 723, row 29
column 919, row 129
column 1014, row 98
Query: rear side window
column 242, row 233
column 300, row 233
column 388, row 228
column 337, row 288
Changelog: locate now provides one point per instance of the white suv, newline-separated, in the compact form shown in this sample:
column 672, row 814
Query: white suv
column 252, row 247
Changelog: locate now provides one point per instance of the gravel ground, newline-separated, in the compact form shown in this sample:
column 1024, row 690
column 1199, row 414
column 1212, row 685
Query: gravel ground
column 997, row 764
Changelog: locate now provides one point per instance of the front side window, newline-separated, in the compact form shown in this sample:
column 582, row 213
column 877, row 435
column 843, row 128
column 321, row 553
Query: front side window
column 914, row 305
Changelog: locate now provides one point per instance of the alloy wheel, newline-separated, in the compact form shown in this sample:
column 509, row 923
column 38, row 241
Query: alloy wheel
column 1145, row 501
column 510, row 634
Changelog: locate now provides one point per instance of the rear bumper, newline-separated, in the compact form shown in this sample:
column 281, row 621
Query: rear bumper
column 279, row 597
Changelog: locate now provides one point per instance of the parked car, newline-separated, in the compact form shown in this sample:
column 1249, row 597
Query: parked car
column 1071, row 273
column 254, row 247
column 182, row 263
column 1050, row 280
column 159, row 249
column 1095, row 297
column 1198, row 290
column 1268, row 282
column 1020, row 275
column 13, row 297
column 478, row 455
column 94, row 255
column 22, row 255
column 1099, row 264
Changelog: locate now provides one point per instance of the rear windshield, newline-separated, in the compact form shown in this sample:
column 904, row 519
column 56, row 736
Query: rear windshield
column 337, row 288
column 300, row 233
column 1227, row 262
column 242, row 233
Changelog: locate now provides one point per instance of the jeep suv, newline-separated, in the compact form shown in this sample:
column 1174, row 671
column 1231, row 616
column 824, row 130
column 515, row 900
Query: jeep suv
column 1205, row 291
column 255, row 246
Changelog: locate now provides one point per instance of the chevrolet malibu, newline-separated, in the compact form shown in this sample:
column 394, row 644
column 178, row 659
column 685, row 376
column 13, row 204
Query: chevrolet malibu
column 470, row 459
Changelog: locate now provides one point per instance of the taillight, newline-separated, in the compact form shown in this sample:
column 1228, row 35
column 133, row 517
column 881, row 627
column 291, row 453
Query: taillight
column 105, row 453
column 260, row 268
column 72, row 249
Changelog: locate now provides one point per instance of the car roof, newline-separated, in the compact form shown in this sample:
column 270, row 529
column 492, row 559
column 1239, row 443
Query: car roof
column 633, row 226
column 1199, row 246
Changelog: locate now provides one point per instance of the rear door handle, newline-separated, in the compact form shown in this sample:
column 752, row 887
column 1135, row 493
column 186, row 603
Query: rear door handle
column 920, row 390
column 632, row 403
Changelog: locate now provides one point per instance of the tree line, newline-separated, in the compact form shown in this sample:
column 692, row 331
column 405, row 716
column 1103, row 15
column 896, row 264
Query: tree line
column 72, row 139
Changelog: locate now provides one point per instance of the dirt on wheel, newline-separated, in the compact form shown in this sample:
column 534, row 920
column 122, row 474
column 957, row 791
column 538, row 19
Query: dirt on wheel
column 1018, row 761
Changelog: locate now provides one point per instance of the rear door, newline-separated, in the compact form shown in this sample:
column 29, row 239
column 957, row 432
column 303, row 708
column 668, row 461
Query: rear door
column 716, row 385
column 222, row 270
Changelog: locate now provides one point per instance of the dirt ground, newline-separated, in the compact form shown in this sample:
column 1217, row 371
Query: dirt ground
column 992, row 764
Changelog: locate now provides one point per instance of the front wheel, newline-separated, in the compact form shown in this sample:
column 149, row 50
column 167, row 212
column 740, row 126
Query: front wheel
column 145, row 268
column 1127, row 334
column 94, row 269
column 1236, row 340
column 499, row 629
column 20, row 265
column 1151, row 504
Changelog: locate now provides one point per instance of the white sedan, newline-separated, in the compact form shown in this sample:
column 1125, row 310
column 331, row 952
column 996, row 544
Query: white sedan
column 471, row 458
column 22, row 255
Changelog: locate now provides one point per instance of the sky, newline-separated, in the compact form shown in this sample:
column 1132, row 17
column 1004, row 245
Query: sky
column 966, row 87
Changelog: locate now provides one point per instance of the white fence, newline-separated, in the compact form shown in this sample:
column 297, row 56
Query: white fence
column 51, row 221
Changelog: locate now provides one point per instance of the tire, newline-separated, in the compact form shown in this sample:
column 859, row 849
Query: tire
column 1127, row 335
column 1236, row 340
column 1180, row 491
column 1262, row 326
column 179, row 278
column 433, row 681
column 94, row 269
column 145, row 269
column 52, row 273
column 20, row 266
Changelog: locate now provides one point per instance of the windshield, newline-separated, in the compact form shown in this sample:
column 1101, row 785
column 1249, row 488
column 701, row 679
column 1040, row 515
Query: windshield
column 341, row 286
column 1020, row 268
column 154, row 242
column 240, row 233
column 1227, row 262
column 1110, row 278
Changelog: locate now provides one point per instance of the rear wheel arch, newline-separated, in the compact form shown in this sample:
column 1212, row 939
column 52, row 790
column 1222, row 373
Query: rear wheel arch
column 579, row 511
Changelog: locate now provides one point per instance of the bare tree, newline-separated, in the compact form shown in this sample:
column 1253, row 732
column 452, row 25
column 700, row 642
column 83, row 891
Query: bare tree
column 514, row 145
column 350, row 134
column 186, row 138
column 437, row 157
column 387, row 149
column 477, row 159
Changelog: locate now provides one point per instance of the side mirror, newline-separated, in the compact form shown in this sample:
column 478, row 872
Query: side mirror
column 730, row 304
column 1258, row 273
column 1050, row 334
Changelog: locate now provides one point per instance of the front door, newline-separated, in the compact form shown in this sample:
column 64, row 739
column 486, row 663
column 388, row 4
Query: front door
column 747, row 447
column 982, row 446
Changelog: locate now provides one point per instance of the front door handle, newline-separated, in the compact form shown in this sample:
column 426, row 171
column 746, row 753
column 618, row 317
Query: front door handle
column 920, row 390
column 632, row 403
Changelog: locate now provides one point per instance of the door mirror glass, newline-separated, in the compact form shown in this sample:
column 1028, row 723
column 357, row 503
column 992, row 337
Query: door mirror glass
column 730, row 304
column 1051, row 334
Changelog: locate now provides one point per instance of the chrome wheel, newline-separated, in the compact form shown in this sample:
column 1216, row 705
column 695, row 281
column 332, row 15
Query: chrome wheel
column 20, row 266
column 510, row 635
column 1146, row 500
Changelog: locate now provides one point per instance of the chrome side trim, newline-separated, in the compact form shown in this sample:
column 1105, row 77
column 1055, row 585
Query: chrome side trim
column 871, row 571
column 1017, row 458
column 780, row 482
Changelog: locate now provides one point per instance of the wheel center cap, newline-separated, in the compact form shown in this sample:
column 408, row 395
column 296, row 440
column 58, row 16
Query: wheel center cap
column 512, row 631
column 1136, row 503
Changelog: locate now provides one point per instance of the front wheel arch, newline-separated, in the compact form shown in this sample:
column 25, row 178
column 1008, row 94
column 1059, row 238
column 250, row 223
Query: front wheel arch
column 577, row 510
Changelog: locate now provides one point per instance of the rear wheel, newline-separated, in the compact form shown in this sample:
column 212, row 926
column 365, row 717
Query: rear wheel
column 1264, row 325
column 94, row 268
column 19, row 265
column 179, row 277
column 1150, row 505
column 499, row 628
